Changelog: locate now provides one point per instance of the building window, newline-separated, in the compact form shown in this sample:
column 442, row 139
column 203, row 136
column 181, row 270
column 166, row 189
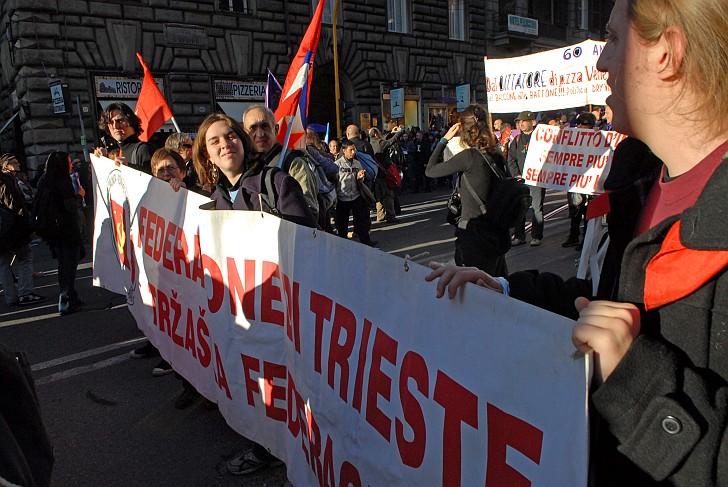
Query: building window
column 456, row 10
column 599, row 12
column 234, row 6
column 328, row 17
column 398, row 16
column 549, row 11
column 582, row 14
column 552, row 16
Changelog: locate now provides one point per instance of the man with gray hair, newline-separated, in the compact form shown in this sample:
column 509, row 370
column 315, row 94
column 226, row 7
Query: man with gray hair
column 260, row 124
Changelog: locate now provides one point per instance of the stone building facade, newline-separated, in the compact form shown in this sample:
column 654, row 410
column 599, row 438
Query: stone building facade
column 62, row 61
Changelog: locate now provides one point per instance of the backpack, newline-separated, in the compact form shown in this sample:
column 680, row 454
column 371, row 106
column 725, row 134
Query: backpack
column 45, row 217
column 326, row 189
column 368, row 164
column 268, row 194
column 508, row 200
column 394, row 176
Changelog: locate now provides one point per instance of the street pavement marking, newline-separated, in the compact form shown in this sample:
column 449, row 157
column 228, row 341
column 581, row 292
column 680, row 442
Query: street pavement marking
column 423, row 245
column 86, row 353
column 82, row 370
column 25, row 309
column 22, row 321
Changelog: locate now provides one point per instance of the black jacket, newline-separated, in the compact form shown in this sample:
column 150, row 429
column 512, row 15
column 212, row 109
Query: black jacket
column 138, row 153
column 676, row 371
column 66, row 205
column 290, row 201
column 12, row 200
column 517, row 153
column 474, row 168
column 362, row 145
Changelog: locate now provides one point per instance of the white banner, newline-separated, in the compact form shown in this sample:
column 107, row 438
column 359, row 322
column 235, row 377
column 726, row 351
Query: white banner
column 337, row 356
column 549, row 80
column 570, row 159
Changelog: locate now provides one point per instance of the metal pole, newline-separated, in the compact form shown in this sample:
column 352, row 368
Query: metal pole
column 83, row 130
column 490, row 115
column 174, row 122
column 336, row 73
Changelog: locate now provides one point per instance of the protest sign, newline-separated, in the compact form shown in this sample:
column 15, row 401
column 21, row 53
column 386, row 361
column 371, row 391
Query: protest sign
column 337, row 356
column 549, row 80
column 570, row 159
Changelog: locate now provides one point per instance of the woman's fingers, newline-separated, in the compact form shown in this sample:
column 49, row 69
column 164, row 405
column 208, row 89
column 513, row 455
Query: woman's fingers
column 452, row 278
column 609, row 329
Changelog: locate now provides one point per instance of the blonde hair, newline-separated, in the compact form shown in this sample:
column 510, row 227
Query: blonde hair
column 705, row 61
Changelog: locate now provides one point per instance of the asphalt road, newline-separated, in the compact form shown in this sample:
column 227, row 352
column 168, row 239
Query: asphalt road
column 113, row 424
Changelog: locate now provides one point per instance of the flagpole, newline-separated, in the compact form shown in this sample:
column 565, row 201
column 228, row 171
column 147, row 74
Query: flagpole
column 174, row 122
column 285, row 141
column 336, row 73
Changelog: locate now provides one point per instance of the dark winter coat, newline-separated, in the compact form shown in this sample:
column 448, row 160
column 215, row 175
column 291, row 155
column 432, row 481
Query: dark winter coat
column 661, row 418
column 138, row 153
column 12, row 200
column 474, row 168
column 66, row 204
column 517, row 153
column 290, row 200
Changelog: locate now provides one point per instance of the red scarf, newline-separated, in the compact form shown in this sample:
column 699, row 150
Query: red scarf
column 677, row 271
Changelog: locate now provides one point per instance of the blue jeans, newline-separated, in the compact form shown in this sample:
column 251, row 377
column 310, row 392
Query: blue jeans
column 538, row 195
column 23, row 267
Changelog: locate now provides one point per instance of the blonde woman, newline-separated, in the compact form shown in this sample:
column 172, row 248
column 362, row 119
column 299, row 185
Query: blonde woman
column 659, row 401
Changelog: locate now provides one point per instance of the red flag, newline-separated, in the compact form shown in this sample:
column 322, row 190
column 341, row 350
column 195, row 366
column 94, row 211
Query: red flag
column 151, row 108
column 294, row 99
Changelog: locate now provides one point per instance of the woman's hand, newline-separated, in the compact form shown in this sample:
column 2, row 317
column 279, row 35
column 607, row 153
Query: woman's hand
column 607, row 328
column 177, row 184
column 453, row 131
column 453, row 277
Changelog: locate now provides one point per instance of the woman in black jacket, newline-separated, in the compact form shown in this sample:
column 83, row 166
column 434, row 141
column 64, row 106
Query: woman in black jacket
column 657, row 333
column 478, row 243
column 57, row 206
column 224, row 158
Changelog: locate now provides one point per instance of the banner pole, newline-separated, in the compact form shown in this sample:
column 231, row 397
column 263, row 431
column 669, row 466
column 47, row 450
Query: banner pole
column 285, row 141
column 336, row 74
column 83, row 130
column 487, row 108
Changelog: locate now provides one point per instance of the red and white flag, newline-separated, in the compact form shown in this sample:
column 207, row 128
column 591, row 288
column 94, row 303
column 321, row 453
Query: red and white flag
column 151, row 107
column 293, row 107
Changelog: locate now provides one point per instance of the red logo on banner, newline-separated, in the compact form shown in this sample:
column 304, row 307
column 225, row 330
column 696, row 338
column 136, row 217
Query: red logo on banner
column 118, row 207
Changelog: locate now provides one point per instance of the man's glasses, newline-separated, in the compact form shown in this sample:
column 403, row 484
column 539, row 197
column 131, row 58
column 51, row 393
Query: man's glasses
column 121, row 122
column 187, row 146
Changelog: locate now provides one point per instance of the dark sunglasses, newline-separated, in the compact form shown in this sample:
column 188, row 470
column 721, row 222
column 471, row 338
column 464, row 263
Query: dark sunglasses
column 187, row 146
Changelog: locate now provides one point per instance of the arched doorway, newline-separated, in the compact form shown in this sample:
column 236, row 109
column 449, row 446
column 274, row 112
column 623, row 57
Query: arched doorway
column 322, row 98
